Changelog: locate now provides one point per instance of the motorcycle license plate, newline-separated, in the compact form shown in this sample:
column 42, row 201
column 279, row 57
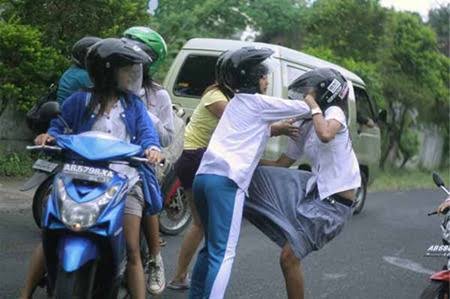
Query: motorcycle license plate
column 438, row 250
column 44, row 165
column 87, row 173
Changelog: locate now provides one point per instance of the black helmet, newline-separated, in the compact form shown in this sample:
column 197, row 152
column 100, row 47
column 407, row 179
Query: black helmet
column 106, row 56
column 328, row 85
column 80, row 49
column 220, row 70
column 242, row 68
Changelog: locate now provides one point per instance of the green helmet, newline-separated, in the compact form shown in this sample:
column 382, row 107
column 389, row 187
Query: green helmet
column 153, row 40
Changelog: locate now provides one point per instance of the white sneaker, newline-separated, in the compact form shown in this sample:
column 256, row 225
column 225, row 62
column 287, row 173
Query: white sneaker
column 156, row 281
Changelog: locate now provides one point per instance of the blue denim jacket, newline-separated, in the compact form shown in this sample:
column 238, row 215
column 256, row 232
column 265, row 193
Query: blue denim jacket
column 138, row 124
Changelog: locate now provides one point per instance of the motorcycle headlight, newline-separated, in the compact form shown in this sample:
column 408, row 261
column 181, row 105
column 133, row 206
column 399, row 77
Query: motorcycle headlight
column 79, row 216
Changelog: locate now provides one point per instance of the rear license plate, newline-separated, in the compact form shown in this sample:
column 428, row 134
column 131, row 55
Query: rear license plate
column 92, row 174
column 44, row 165
column 438, row 250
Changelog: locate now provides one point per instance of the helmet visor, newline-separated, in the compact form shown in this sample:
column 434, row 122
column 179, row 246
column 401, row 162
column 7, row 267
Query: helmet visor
column 129, row 78
column 299, row 92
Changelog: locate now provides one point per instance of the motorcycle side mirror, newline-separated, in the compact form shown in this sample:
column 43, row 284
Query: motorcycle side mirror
column 437, row 180
column 49, row 110
column 382, row 115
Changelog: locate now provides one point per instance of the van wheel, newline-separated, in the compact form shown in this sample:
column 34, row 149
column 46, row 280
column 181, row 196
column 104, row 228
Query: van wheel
column 361, row 194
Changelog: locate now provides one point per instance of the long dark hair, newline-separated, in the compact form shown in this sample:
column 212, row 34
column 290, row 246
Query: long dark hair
column 216, row 86
column 148, row 83
column 102, row 92
column 102, row 98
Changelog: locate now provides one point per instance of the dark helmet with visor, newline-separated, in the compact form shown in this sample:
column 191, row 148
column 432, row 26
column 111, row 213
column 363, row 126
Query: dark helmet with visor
column 114, row 63
column 242, row 69
column 328, row 85
column 219, row 72
column 80, row 49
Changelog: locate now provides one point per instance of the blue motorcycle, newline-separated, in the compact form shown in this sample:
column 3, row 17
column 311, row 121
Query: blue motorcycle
column 82, row 228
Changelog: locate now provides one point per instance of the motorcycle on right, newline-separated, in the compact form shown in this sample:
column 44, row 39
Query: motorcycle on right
column 439, row 284
column 176, row 215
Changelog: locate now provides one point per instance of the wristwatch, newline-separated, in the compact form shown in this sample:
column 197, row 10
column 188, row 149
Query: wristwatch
column 315, row 111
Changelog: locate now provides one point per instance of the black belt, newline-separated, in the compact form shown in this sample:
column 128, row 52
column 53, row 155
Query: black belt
column 340, row 199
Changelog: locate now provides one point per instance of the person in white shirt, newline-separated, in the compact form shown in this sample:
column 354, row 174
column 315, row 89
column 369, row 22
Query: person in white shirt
column 302, row 211
column 159, row 106
column 232, row 155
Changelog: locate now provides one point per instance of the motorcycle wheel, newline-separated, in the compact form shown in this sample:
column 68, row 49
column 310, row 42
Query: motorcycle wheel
column 361, row 194
column 176, row 215
column 77, row 284
column 40, row 200
column 436, row 290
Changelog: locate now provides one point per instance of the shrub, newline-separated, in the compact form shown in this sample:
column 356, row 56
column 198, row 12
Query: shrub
column 27, row 67
column 15, row 164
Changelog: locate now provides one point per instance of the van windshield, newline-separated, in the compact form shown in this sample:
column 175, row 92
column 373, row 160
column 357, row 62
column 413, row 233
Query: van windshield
column 196, row 74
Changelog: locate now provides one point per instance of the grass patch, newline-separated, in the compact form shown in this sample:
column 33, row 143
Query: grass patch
column 16, row 164
column 402, row 179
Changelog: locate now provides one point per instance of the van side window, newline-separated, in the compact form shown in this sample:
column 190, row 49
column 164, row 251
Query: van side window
column 196, row 74
column 364, row 108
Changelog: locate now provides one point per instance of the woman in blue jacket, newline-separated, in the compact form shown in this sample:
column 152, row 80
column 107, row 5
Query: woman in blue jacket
column 116, row 70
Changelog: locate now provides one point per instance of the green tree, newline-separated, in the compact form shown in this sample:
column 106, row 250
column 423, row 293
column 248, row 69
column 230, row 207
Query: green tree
column 279, row 22
column 439, row 20
column 412, row 75
column 350, row 28
column 27, row 66
column 409, row 145
column 62, row 23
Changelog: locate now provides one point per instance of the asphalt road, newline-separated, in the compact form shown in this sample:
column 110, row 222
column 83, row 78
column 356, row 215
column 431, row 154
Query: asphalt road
column 380, row 254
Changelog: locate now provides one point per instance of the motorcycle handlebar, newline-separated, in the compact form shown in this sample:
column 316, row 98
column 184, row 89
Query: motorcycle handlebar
column 138, row 159
column 58, row 149
column 141, row 160
column 444, row 212
column 444, row 189
column 43, row 147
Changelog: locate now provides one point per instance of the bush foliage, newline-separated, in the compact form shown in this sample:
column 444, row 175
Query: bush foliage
column 27, row 66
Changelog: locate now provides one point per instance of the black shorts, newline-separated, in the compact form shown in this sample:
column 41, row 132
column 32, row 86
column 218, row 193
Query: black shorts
column 187, row 165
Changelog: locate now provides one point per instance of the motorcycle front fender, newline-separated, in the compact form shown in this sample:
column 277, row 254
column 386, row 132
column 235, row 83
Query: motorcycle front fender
column 76, row 251
column 35, row 180
column 441, row 276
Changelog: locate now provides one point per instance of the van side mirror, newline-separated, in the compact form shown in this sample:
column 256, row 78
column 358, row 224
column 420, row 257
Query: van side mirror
column 49, row 110
column 382, row 115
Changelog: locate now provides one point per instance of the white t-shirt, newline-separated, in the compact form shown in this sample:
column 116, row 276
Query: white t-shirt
column 334, row 164
column 114, row 124
column 241, row 135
